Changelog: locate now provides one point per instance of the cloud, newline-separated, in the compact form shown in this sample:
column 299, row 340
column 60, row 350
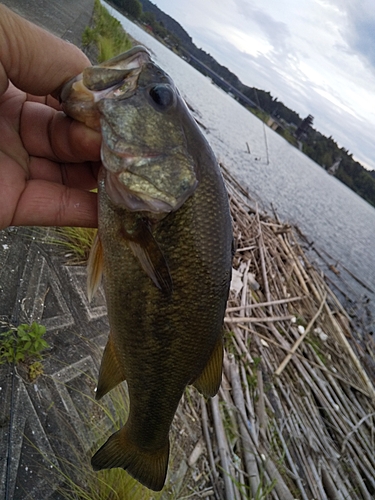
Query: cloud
column 276, row 32
column 363, row 39
column 359, row 31
column 318, row 58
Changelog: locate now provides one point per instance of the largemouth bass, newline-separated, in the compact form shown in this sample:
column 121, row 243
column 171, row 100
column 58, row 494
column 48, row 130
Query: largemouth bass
column 164, row 247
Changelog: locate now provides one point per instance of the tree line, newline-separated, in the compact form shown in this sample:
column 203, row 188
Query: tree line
column 323, row 150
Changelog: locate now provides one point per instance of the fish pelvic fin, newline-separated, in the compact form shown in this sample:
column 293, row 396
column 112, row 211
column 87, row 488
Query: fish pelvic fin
column 111, row 371
column 146, row 466
column 148, row 253
column 209, row 380
column 94, row 268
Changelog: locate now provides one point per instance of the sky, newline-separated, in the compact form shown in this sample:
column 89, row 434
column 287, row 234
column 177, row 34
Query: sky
column 316, row 56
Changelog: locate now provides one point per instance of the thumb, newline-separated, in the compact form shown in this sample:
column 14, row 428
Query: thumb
column 33, row 59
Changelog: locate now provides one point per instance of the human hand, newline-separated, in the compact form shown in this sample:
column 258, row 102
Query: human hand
column 48, row 162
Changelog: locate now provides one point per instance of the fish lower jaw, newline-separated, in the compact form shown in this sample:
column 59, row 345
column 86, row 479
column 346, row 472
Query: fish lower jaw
column 132, row 200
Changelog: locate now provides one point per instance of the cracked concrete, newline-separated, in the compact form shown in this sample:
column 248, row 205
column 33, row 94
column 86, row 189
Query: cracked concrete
column 41, row 421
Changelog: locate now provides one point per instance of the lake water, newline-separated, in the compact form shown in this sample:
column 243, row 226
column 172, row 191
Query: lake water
column 329, row 213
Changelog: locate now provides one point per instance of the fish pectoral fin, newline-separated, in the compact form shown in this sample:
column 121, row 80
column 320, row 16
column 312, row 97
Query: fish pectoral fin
column 146, row 466
column 209, row 380
column 148, row 252
column 111, row 371
column 94, row 268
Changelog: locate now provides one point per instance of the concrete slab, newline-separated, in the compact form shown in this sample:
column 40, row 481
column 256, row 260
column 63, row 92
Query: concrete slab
column 40, row 420
column 45, row 423
column 65, row 19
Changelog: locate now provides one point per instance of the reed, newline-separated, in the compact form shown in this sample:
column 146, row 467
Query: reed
column 302, row 406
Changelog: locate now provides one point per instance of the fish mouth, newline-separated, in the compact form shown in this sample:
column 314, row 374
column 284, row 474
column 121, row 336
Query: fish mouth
column 134, row 201
column 138, row 180
column 116, row 78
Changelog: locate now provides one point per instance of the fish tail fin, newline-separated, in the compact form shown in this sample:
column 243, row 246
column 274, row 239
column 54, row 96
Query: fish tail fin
column 147, row 467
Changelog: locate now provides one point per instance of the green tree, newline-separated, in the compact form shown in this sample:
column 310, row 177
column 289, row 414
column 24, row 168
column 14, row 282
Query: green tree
column 132, row 7
column 148, row 18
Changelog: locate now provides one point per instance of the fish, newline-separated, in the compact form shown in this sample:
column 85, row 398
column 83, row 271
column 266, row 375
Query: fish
column 164, row 249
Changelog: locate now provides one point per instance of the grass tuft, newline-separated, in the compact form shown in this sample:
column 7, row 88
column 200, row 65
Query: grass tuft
column 75, row 241
column 106, row 33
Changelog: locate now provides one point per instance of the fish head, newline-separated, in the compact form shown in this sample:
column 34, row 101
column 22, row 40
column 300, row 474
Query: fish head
column 142, row 118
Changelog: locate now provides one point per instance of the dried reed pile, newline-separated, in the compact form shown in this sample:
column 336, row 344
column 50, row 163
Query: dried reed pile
column 294, row 417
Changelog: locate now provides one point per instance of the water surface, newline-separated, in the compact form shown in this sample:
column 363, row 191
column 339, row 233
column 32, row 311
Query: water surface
column 329, row 213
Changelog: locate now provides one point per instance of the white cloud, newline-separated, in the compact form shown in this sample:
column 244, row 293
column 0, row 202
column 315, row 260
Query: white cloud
column 316, row 56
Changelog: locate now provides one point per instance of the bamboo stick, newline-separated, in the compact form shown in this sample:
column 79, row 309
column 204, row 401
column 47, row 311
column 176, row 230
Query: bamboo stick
column 263, row 304
column 223, row 448
column 258, row 320
column 207, row 438
column 271, row 469
column 300, row 340
column 352, row 355
column 321, row 403
column 329, row 486
column 248, row 449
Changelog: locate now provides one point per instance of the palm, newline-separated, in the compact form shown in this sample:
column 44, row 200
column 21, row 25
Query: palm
column 44, row 179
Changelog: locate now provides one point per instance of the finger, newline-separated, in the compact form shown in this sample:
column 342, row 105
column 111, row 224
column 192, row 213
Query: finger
column 44, row 203
column 12, row 184
column 37, row 61
column 49, row 100
column 81, row 176
column 51, row 134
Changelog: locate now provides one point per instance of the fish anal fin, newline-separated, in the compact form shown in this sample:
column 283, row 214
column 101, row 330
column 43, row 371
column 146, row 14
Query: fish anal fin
column 209, row 380
column 111, row 371
column 150, row 256
column 94, row 268
column 146, row 466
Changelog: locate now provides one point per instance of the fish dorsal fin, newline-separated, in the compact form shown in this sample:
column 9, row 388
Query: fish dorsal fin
column 148, row 252
column 209, row 380
column 111, row 371
column 94, row 268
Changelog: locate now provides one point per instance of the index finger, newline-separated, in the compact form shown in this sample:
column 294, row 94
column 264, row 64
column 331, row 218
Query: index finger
column 33, row 59
column 51, row 134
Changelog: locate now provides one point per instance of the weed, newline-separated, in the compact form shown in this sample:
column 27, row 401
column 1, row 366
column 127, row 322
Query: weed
column 22, row 343
column 106, row 33
column 317, row 348
column 257, row 360
column 265, row 488
column 35, row 369
column 74, row 474
column 88, row 36
column 77, row 241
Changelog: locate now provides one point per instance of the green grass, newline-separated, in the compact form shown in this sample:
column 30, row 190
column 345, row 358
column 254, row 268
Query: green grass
column 75, row 241
column 73, row 471
column 106, row 33
column 78, row 481
column 23, row 346
column 24, row 343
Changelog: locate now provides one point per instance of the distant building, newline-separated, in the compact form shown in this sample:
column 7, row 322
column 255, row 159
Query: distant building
column 334, row 167
column 274, row 124
column 304, row 126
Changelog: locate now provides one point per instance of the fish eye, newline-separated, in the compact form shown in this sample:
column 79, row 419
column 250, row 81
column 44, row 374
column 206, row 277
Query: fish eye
column 162, row 95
